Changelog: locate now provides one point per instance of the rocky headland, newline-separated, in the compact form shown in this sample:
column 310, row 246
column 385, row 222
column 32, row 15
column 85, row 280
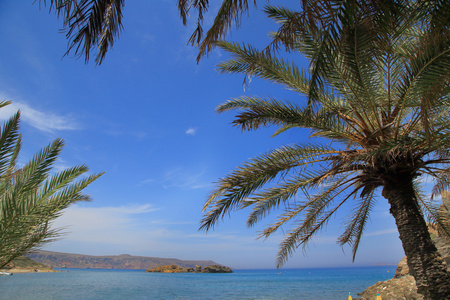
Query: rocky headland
column 197, row 269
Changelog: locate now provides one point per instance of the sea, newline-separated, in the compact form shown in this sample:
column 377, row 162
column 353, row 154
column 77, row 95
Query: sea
column 312, row 283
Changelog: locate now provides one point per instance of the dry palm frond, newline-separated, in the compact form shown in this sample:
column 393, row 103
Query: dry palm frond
column 90, row 25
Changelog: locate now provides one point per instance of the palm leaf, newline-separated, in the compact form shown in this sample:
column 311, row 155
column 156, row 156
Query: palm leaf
column 240, row 184
column 90, row 25
column 30, row 198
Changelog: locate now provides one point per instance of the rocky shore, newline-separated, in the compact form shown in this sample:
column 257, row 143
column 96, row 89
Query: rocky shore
column 197, row 269
column 403, row 285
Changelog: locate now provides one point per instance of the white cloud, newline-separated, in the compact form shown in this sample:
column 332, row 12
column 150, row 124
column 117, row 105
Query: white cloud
column 108, row 225
column 191, row 131
column 138, row 230
column 180, row 178
column 44, row 121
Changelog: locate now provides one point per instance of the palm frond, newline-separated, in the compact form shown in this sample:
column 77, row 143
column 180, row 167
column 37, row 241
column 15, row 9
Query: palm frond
column 37, row 170
column 60, row 180
column 424, row 68
column 259, row 112
column 230, row 12
column 250, row 61
column 90, row 25
column 442, row 182
column 315, row 219
column 357, row 222
column 431, row 209
column 241, row 183
column 265, row 201
column 8, row 141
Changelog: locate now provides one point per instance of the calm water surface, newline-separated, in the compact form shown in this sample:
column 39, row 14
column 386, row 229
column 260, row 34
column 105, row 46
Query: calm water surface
column 328, row 283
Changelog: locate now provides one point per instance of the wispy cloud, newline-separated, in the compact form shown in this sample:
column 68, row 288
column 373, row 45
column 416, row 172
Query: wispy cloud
column 381, row 232
column 191, row 131
column 179, row 178
column 45, row 121
column 60, row 165
column 213, row 236
column 146, row 181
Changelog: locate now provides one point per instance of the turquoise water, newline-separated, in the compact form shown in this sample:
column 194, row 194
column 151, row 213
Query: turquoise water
column 329, row 283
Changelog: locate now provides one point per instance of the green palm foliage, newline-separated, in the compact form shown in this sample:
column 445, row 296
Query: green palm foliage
column 31, row 197
column 377, row 91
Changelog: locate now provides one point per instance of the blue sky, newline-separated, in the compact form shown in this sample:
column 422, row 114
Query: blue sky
column 146, row 117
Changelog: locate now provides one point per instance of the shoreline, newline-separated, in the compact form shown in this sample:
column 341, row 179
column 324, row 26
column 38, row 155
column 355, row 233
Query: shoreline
column 18, row 270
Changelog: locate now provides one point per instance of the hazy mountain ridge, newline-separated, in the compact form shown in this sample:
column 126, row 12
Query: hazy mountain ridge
column 124, row 261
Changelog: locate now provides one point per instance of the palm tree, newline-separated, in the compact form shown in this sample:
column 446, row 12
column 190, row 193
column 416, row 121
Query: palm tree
column 30, row 197
column 377, row 93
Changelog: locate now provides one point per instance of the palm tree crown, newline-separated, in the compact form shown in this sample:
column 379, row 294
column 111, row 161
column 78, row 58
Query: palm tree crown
column 378, row 90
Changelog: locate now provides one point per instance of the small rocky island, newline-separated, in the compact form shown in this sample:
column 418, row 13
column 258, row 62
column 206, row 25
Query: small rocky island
column 198, row 269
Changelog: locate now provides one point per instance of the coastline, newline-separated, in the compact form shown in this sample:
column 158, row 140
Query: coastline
column 270, row 284
column 20, row 270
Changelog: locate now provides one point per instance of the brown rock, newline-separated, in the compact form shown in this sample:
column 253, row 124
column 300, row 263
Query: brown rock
column 198, row 269
column 402, row 268
column 403, row 288
column 170, row 269
column 403, row 285
column 216, row 269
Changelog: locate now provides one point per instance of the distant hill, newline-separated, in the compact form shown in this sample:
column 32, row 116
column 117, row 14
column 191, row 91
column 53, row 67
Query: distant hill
column 124, row 261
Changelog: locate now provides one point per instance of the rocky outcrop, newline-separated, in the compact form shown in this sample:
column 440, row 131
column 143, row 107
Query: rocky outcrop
column 198, row 269
column 403, row 288
column 170, row 269
column 216, row 269
column 403, row 285
column 402, row 268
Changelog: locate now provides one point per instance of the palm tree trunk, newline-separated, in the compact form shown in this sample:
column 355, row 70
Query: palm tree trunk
column 424, row 261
